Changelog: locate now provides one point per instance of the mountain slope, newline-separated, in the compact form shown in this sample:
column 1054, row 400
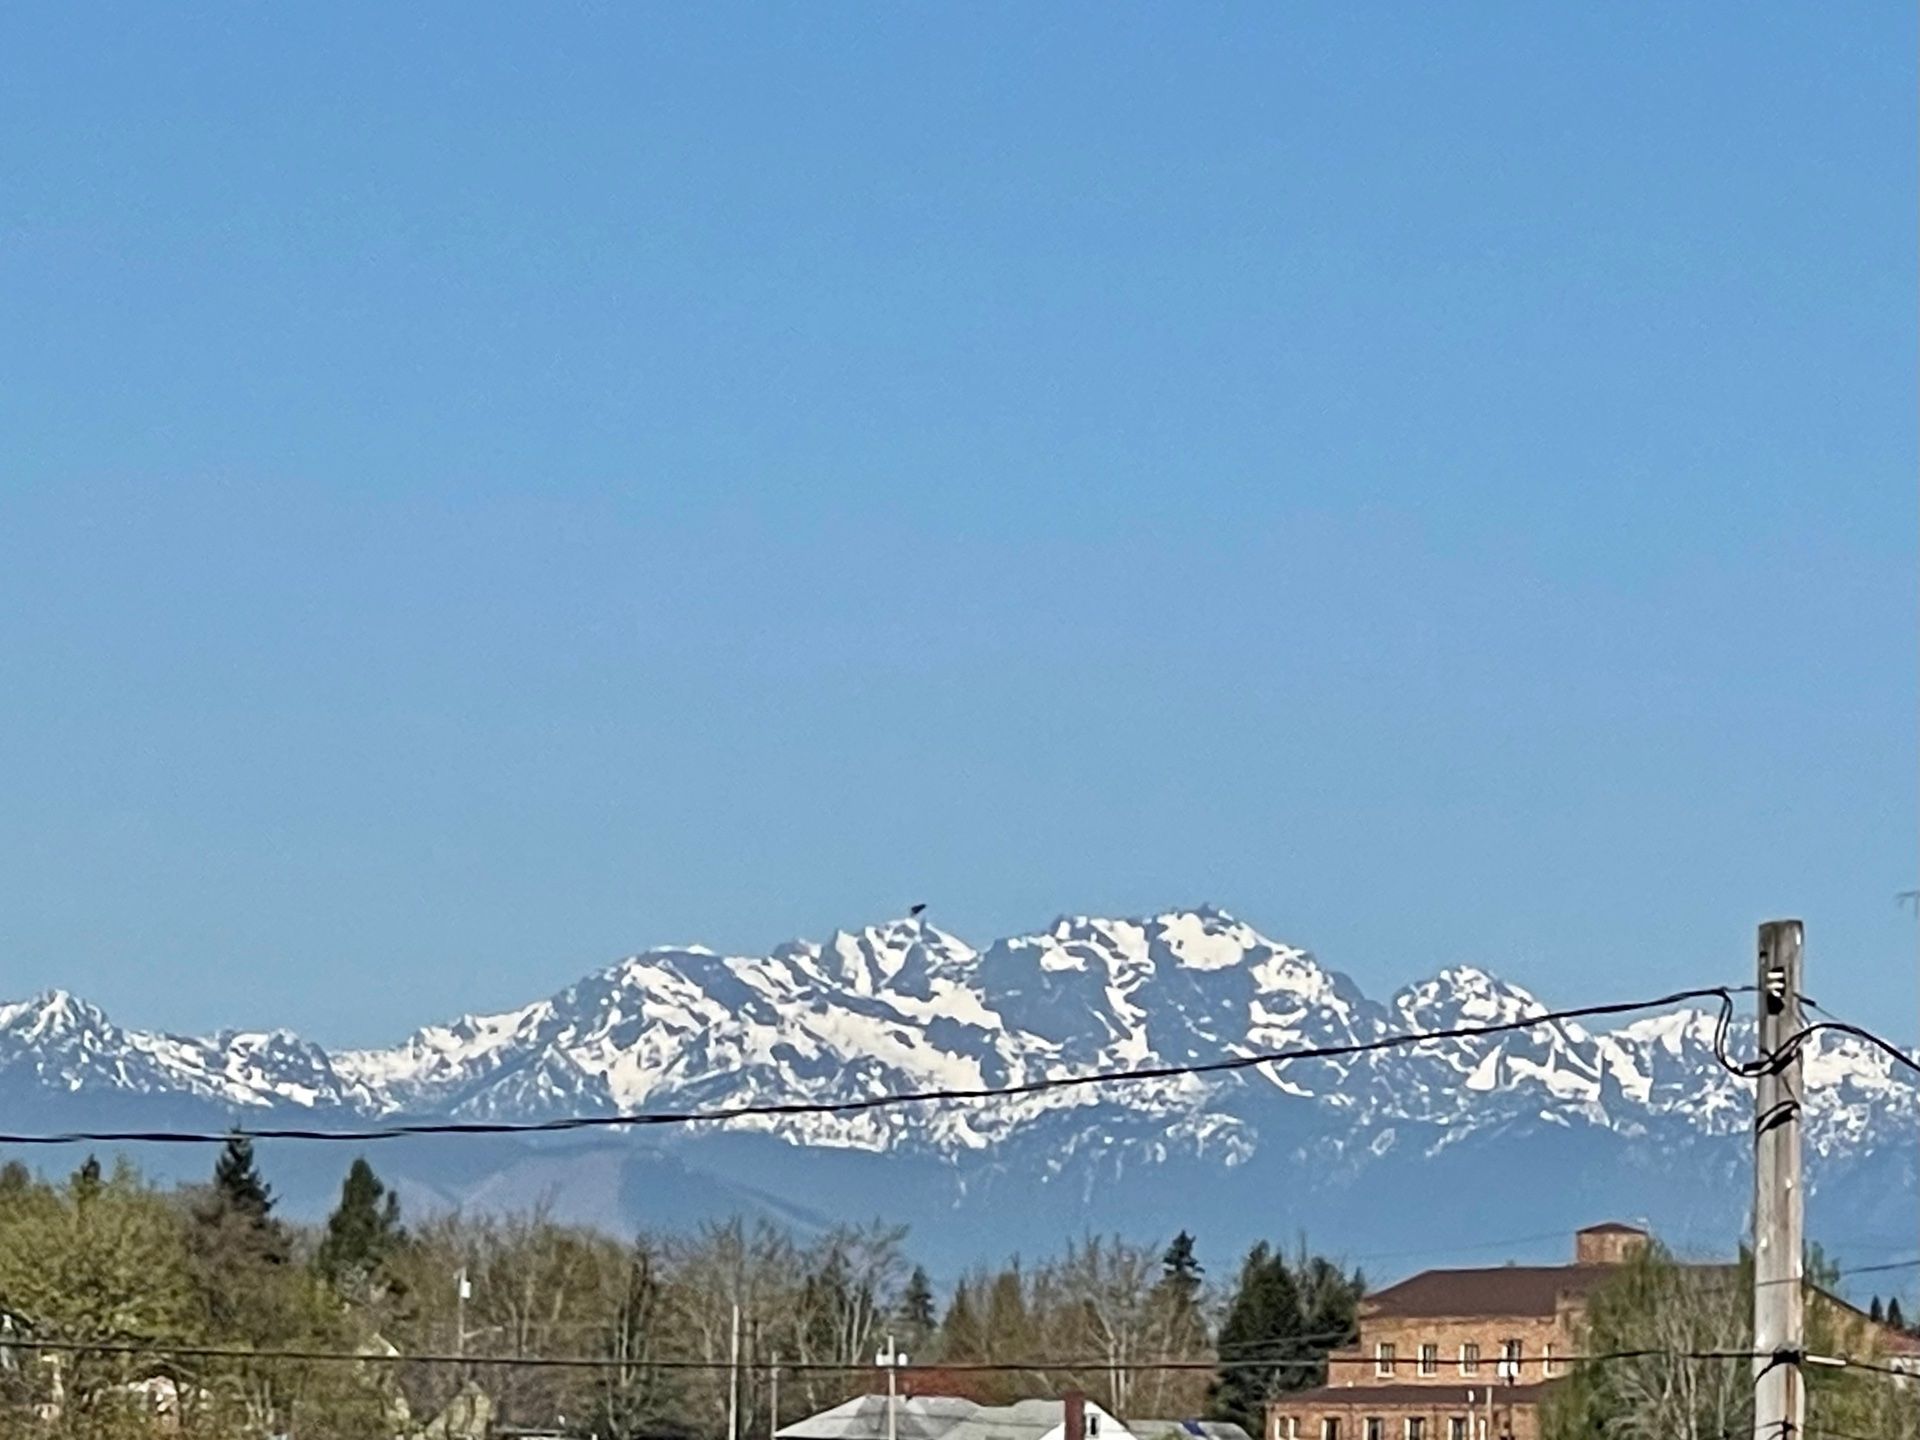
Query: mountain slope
column 907, row 1007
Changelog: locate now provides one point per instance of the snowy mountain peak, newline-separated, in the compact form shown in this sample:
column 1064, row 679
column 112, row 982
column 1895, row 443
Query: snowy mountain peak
column 904, row 1006
column 869, row 959
column 53, row 1013
column 1462, row 995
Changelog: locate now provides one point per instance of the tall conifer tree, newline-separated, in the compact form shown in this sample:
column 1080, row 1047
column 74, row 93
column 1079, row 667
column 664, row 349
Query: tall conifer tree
column 363, row 1231
column 1260, row 1342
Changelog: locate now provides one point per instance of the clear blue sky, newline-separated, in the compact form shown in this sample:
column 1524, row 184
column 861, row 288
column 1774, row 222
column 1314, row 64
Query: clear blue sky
column 484, row 489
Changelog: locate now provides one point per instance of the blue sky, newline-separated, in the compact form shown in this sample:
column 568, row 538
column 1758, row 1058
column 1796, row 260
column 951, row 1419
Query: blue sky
column 485, row 489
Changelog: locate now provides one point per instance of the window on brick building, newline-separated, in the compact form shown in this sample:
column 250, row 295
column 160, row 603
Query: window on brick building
column 1330, row 1428
column 1470, row 1358
column 1429, row 1359
column 1376, row 1428
column 1383, row 1358
column 1511, row 1355
column 1548, row 1365
column 1457, row 1427
column 1416, row 1427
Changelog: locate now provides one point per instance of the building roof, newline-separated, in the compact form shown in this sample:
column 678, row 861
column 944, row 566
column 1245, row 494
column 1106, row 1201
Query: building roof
column 1611, row 1227
column 1200, row 1429
column 1489, row 1290
column 946, row 1417
column 1428, row 1397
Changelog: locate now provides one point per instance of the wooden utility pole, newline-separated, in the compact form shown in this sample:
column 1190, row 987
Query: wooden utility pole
column 1779, row 1335
column 462, row 1290
column 733, row 1377
column 891, row 1357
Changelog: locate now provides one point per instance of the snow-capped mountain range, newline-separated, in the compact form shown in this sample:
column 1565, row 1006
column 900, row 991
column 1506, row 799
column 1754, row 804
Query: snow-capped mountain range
column 906, row 1006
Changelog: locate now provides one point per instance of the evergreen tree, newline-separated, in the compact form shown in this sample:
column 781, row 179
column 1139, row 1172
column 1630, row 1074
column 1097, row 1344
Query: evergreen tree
column 86, row 1180
column 961, row 1335
column 1875, row 1312
column 238, row 1182
column 233, row 1218
column 1329, row 1311
column 1180, row 1272
column 1894, row 1317
column 1009, row 1326
column 1176, row 1298
column 363, row 1231
column 916, row 1309
column 1260, row 1342
column 238, row 1252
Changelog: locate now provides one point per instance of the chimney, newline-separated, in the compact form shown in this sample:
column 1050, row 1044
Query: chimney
column 1076, row 1416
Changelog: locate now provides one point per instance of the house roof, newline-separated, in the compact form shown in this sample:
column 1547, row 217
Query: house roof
column 1611, row 1227
column 937, row 1417
column 1490, row 1290
column 1200, row 1429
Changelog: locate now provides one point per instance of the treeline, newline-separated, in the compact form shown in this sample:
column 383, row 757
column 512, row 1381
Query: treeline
column 684, row 1328
column 1677, row 1337
column 1891, row 1315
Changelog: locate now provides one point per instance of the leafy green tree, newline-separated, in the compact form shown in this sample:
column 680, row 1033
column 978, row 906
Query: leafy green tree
column 101, row 1259
column 1667, row 1315
column 247, row 1293
column 362, row 1234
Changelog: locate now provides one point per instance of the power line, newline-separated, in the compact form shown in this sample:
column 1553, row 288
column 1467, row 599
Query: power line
column 1877, row 1269
column 1859, row 1032
column 1847, row 1271
column 188, row 1351
column 785, row 1109
column 1833, row 1023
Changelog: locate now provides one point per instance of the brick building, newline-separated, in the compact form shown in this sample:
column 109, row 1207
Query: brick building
column 1471, row 1354
column 1457, row 1354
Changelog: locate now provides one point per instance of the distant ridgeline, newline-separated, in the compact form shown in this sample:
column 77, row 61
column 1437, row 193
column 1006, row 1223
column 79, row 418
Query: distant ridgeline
column 1637, row 1119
